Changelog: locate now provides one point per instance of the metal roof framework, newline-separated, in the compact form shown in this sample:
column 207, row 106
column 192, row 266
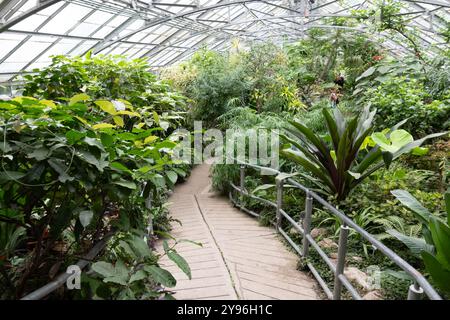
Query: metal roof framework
column 168, row 31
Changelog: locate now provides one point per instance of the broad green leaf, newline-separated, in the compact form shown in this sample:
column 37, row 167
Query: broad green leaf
column 106, row 106
column 10, row 175
column 441, row 239
column 440, row 275
column 180, row 262
column 128, row 113
column 61, row 169
column 156, row 117
column 105, row 269
column 118, row 121
column 107, row 139
column 90, row 158
column 39, row 154
column 119, row 166
column 78, row 98
column 94, row 143
column 126, row 247
column 355, row 175
column 86, row 217
column 140, row 247
column 139, row 275
column 173, row 177
column 366, row 73
column 161, row 276
column 126, row 184
column 150, row 139
column 158, row 180
column 82, row 120
column 48, row 103
column 419, row 151
column 73, row 136
column 102, row 126
column 164, row 124
column 411, row 203
column 416, row 245
column 397, row 139
column 118, row 105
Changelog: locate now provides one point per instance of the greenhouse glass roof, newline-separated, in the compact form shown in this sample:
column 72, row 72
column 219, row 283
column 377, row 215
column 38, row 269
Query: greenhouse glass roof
column 167, row 31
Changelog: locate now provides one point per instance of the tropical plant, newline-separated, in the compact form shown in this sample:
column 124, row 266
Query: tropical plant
column 70, row 168
column 344, row 165
column 134, row 273
column 434, row 247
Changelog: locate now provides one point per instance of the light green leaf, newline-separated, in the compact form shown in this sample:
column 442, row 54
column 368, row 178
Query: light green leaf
column 103, row 126
column 78, row 98
column 106, row 106
column 411, row 203
column 173, row 177
column 105, row 269
column 139, row 275
column 86, row 217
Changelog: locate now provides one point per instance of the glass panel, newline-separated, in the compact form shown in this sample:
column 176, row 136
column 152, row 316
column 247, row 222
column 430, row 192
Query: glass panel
column 29, row 50
column 66, row 19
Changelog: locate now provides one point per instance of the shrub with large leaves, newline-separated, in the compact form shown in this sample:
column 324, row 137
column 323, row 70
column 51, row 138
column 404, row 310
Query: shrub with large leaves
column 434, row 247
column 344, row 162
column 67, row 171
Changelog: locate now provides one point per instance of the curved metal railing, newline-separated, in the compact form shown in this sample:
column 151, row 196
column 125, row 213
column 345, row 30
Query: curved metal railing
column 416, row 290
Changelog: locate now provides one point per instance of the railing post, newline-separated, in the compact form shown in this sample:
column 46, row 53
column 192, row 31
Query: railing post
column 279, row 185
column 415, row 292
column 242, row 182
column 148, row 205
column 307, row 223
column 150, row 238
column 342, row 251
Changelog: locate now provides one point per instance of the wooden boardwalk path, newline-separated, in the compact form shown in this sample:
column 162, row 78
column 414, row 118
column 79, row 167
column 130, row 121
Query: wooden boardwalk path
column 239, row 258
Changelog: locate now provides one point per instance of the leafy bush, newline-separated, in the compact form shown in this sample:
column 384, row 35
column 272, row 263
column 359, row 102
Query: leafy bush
column 72, row 167
column 400, row 98
column 111, row 77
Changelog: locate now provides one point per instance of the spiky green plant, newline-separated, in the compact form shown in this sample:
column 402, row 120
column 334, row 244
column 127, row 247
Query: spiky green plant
column 347, row 160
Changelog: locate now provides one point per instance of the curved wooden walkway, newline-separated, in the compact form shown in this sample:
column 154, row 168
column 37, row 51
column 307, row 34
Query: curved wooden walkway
column 239, row 258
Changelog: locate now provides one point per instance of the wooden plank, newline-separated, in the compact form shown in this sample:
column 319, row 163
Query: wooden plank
column 240, row 258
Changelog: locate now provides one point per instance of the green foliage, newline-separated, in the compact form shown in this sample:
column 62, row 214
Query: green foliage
column 434, row 247
column 82, row 163
column 341, row 168
column 399, row 98
column 111, row 77
column 323, row 55
column 132, row 271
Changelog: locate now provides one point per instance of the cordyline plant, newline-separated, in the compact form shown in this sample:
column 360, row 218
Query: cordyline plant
column 347, row 160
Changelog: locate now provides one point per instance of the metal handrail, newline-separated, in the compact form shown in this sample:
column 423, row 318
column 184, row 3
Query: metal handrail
column 416, row 290
column 59, row 281
column 44, row 291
